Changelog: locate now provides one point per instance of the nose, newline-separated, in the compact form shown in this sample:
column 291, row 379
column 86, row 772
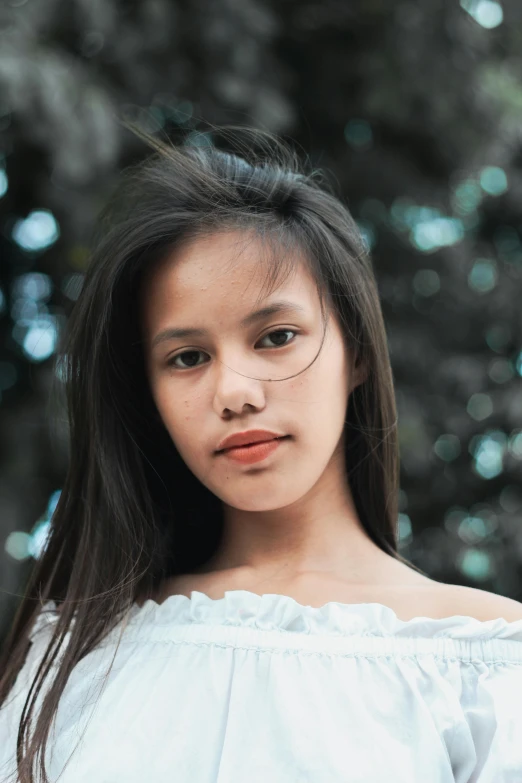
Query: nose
column 233, row 391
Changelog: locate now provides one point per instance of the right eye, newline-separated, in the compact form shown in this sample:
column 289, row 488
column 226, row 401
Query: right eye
column 190, row 362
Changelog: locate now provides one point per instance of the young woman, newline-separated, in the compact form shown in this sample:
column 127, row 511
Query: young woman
column 221, row 597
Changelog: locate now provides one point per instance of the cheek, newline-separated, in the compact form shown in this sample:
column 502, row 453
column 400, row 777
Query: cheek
column 322, row 386
column 179, row 414
column 319, row 398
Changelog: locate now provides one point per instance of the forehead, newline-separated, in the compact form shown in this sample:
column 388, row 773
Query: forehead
column 225, row 273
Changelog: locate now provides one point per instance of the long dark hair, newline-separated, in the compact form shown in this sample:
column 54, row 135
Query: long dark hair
column 131, row 513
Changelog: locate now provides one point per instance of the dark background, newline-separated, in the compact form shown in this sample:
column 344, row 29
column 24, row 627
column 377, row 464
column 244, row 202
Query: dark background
column 416, row 109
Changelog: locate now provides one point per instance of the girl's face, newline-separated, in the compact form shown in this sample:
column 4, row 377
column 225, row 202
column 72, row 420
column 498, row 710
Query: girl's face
column 213, row 383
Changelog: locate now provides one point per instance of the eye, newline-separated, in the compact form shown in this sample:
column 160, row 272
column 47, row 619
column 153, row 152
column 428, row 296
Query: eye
column 191, row 360
column 191, row 363
column 279, row 344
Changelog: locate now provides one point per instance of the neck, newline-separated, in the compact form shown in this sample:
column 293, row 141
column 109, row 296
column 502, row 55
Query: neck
column 319, row 533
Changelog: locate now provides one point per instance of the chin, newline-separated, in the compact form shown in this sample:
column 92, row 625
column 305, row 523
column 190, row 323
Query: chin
column 264, row 500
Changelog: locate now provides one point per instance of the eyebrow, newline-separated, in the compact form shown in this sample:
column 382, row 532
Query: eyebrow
column 258, row 315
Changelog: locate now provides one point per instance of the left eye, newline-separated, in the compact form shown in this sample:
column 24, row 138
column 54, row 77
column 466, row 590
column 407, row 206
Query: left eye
column 279, row 332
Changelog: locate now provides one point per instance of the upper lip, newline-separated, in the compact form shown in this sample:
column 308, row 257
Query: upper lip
column 249, row 436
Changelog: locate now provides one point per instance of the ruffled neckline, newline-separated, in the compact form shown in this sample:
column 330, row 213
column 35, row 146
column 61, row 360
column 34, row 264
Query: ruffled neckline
column 276, row 612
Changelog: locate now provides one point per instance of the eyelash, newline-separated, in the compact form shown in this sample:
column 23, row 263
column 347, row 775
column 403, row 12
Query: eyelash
column 171, row 361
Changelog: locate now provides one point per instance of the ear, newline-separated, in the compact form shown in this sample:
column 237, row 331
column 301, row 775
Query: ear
column 359, row 375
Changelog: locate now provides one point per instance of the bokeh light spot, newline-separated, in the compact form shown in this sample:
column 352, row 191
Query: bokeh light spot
column 480, row 406
column 488, row 452
column 477, row 565
column 472, row 529
column 33, row 285
column 483, row 275
column 466, row 197
column 487, row 13
column 24, row 311
column 17, row 545
column 447, row 447
column 498, row 337
column 429, row 235
column 40, row 339
column 38, row 231
column 404, row 528
column 493, row 180
column 358, row 133
column 501, row 370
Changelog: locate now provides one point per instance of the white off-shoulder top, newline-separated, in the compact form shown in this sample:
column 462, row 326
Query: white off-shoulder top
column 261, row 689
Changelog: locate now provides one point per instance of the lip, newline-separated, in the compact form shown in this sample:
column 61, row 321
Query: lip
column 255, row 452
column 246, row 438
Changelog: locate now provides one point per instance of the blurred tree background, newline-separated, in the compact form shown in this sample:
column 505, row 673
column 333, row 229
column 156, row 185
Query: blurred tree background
column 415, row 106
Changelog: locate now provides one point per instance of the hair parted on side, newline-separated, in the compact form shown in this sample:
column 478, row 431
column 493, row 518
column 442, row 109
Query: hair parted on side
column 131, row 513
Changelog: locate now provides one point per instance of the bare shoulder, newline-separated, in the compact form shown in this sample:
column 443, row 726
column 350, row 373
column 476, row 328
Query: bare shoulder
column 184, row 584
column 481, row 604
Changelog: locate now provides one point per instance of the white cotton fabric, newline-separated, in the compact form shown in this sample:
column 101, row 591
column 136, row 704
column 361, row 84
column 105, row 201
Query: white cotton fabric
column 260, row 689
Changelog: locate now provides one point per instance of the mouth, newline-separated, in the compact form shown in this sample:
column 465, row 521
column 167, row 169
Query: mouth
column 253, row 452
column 250, row 445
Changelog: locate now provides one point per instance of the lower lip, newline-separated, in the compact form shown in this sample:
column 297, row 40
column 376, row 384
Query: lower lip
column 254, row 452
